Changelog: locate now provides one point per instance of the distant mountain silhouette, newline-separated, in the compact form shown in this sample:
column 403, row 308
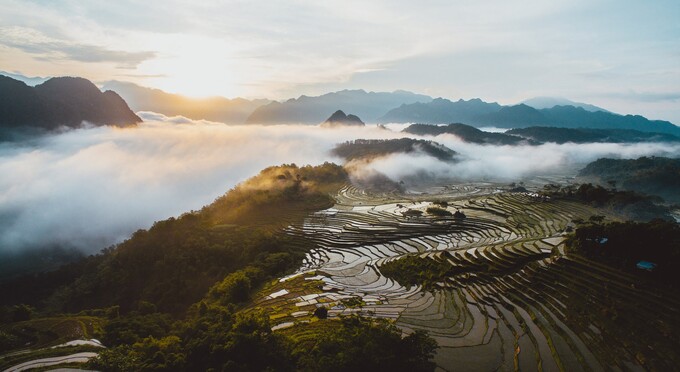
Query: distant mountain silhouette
column 480, row 114
column 574, row 117
column 313, row 110
column 230, row 111
column 70, row 101
column 440, row 111
column 339, row 119
column 550, row 102
column 32, row 81
column 63, row 101
column 588, row 135
column 539, row 135
column 513, row 117
column 467, row 134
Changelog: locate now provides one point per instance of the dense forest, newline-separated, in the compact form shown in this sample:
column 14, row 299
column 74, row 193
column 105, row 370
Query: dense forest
column 624, row 244
column 539, row 135
column 628, row 204
column 414, row 270
column 650, row 175
column 468, row 134
column 362, row 149
column 590, row 135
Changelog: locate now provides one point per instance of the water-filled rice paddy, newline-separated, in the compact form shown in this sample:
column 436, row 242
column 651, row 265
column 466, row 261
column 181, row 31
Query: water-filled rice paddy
column 532, row 307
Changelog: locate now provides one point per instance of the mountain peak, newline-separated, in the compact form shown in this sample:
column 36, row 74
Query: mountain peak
column 544, row 102
column 339, row 118
column 521, row 106
column 64, row 101
column 67, row 87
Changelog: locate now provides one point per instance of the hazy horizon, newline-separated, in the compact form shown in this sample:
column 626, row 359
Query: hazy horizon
column 623, row 57
column 539, row 102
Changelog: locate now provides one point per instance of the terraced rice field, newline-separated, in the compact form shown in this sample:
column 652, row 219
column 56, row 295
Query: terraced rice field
column 524, row 304
column 53, row 341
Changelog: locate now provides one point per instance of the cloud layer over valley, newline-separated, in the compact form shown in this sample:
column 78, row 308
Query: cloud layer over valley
column 90, row 188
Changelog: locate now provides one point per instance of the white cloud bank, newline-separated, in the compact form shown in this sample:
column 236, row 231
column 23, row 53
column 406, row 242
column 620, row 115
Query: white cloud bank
column 509, row 163
column 90, row 188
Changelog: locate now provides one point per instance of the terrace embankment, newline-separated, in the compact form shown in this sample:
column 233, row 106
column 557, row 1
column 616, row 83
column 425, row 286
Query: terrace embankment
column 512, row 299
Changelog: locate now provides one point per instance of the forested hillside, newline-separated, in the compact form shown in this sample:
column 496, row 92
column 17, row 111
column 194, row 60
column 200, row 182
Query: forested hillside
column 650, row 175
column 175, row 297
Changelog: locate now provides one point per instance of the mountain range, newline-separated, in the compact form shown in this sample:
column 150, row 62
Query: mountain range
column 440, row 111
column 539, row 135
column 230, row 111
column 63, row 101
column 478, row 113
column 588, row 135
column 29, row 80
column 313, row 110
column 69, row 101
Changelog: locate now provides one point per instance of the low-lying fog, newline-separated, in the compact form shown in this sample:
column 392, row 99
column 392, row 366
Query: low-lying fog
column 90, row 188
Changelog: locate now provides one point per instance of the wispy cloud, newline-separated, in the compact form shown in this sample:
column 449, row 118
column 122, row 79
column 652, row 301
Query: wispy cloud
column 49, row 49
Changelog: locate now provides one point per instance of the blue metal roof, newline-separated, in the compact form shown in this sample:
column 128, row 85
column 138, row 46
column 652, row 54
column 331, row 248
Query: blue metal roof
column 646, row 265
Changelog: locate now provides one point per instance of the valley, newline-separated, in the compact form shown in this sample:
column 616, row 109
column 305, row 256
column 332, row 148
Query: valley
column 519, row 300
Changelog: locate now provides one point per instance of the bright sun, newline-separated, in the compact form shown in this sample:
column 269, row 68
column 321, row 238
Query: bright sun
column 198, row 67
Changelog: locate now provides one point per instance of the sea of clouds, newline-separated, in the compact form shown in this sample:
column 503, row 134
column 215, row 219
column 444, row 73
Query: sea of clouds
column 92, row 187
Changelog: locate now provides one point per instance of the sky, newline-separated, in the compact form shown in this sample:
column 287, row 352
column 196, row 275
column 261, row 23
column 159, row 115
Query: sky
column 620, row 55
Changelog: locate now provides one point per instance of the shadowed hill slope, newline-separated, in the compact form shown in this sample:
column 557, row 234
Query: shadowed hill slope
column 650, row 175
column 63, row 101
column 588, row 135
column 468, row 134
column 339, row 119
